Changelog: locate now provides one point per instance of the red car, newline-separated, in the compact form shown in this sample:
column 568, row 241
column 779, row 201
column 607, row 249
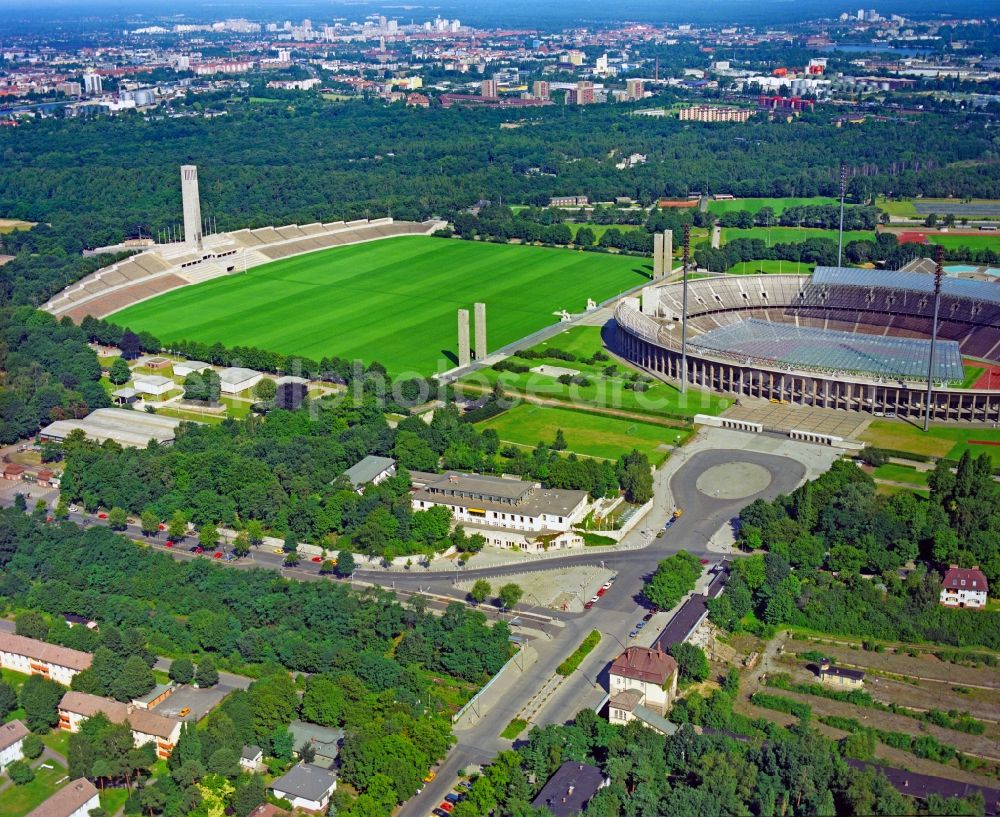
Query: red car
column 162, row 526
column 316, row 559
column 198, row 549
column 703, row 561
column 102, row 516
column 217, row 554
column 588, row 605
column 446, row 806
column 602, row 591
column 169, row 543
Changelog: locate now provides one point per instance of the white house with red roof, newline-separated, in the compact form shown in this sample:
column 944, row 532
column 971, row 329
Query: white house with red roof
column 964, row 587
column 643, row 686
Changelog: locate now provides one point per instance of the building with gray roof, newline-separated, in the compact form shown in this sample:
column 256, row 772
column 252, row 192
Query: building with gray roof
column 306, row 786
column 370, row 471
column 123, row 426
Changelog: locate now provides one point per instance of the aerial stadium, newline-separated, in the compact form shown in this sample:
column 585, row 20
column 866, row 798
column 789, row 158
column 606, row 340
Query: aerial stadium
column 843, row 338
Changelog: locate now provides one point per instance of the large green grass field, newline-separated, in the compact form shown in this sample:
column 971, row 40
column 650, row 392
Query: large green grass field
column 607, row 388
column 393, row 301
column 947, row 441
column 753, row 205
column 986, row 241
column 589, row 435
column 769, row 266
column 792, row 235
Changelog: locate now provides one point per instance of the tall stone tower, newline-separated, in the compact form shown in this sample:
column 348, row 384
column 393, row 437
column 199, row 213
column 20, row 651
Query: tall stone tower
column 479, row 312
column 464, row 354
column 657, row 255
column 192, row 205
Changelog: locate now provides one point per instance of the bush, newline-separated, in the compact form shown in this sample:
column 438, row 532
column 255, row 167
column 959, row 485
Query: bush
column 32, row 747
column 568, row 667
column 20, row 772
column 873, row 457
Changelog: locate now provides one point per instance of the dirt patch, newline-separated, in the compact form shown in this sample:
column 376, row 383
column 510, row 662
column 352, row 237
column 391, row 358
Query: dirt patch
column 925, row 666
column 983, row 704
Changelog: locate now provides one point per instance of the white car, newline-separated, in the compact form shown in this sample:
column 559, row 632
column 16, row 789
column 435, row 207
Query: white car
column 73, row 509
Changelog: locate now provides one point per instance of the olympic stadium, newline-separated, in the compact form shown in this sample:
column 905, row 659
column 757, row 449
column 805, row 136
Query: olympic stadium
column 843, row 338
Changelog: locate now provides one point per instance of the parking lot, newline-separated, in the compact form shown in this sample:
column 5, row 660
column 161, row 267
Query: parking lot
column 199, row 701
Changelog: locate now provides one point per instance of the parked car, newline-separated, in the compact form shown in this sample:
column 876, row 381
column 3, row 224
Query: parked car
column 588, row 605
column 316, row 559
column 197, row 549
column 73, row 509
column 647, row 617
column 169, row 543
column 217, row 554
column 278, row 550
column 633, row 634
column 703, row 561
column 640, row 625
column 184, row 712
column 452, row 798
column 446, row 806
column 431, row 774
column 607, row 584
column 439, row 812
column 101, row 515
column 601, row 591
column 465, row 784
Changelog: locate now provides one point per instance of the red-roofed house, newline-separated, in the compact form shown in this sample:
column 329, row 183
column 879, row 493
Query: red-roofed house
column 643, row 685
column 964, row 587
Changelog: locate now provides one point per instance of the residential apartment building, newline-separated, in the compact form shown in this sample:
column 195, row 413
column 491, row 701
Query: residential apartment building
column 714, row 113
column 75, row 799
column 585, row 92
column 643, row 686
column 12, row 735
column 964, row 587
column 147, row 727
column 33, row 657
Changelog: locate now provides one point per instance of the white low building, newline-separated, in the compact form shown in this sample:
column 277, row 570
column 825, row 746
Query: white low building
column 964, row 587
column 12, row 737
column 643, row 686
column 32, row 657
column 236, row 379
column 306, row 786
column 190, row 367
column 153, row 384
column 498, row 502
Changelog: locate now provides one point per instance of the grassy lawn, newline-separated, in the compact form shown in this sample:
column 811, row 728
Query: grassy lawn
column 586, row 434
column 940, row 441
column 8, row 225
column 901, row 473
column 972, row 374
column 393, row 301
column 792, row 235
column 57, row 740
column 753, row 205
column 903, row 208
column 986, row 241
column 15, row 679
column 193, row 416
column 17, row 801
column 601, row 229
column 513, row 729
column 607, row 391
column 113, row 799
column 767, row 265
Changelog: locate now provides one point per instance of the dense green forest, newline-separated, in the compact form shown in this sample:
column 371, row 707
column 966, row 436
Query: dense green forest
column 96, row 181
column 376, row 666
column 834, row 548
column 50, row 373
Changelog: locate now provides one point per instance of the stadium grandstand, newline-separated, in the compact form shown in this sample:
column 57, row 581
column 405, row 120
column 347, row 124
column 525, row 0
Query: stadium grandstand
column 842, row 338
column 170, row 266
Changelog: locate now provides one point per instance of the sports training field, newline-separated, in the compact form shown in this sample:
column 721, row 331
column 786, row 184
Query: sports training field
column 793, row 235
column 753, row 205
column 393, row 301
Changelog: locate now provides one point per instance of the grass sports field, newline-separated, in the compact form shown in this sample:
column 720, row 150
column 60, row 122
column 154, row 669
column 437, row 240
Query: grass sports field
column 767, row 265
column 793, row 235
column 586, row 434
column 986, row 241
column 941, row 441
column 393, row 301
column 753, row 205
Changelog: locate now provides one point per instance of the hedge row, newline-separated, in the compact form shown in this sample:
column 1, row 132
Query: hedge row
column 568, row 667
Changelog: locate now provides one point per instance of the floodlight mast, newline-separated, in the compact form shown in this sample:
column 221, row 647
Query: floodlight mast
column 843, row 194
column 684, row 309
column 938, row 275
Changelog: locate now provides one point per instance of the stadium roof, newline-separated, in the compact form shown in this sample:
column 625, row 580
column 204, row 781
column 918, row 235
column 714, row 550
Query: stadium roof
column 911, row 281
column 832, row 351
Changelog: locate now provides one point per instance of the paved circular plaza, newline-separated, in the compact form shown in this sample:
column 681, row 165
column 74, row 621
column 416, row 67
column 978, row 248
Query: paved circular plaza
column 733, row 480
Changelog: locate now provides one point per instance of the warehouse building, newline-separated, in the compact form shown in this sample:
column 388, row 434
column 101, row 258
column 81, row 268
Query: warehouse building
column 236, row 379
column 124, row 426
column 153, row 384
column 190, row 367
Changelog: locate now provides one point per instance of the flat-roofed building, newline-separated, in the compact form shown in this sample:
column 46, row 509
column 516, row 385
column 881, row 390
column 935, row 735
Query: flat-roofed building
column 33, row 657
column 75, row 799
column 153, row 384
column 123, row 426
column 147, row 727
column 12, row 735
column 510, row 513
column 236, row 379
column 190, row 367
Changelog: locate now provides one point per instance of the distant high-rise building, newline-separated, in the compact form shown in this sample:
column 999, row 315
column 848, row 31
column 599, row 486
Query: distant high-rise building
column 861, row 14
column 489, row 88
column 584, row 92
column 92, row 84
column 540, row 89
column 635, row 88
column 69, row 88
column 284, row 55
